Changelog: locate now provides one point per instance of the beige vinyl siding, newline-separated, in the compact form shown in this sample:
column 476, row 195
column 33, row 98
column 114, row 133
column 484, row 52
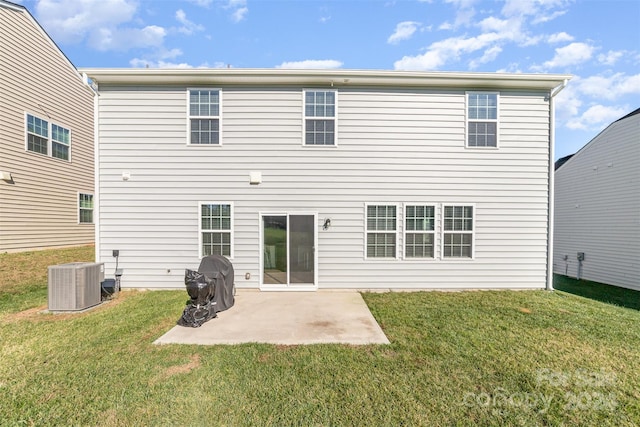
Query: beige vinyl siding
column 394, row 146
column 597, row 208
column 40, row 208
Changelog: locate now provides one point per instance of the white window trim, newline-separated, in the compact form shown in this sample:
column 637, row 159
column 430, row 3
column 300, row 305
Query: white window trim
column 397, row 231
column 304, row 118
column 219, row 117
column 49, row 137
column 467, row 120
column 93, row 209
column 436, row 220
column 231, row 229
column 443, row 232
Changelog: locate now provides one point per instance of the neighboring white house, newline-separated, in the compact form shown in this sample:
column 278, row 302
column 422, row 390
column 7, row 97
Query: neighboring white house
column 46, row 140
column 597, row 213
column 311, row 179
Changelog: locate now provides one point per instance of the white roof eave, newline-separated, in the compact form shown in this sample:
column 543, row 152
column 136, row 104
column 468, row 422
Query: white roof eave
column 335, row 78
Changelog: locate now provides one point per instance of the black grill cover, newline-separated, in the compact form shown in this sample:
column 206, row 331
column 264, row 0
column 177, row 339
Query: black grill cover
column 220, row 271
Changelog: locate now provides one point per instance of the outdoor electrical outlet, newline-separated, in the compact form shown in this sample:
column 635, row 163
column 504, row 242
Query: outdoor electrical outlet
column 116, row 253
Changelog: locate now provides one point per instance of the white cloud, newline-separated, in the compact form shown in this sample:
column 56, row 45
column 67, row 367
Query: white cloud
column 611, row 57
column 609, row 87
column 201, row 3
column 239, row 9
column 312, row 64
column 568, row 102
column 464, row 13
column 488, row 56
column 571, row 54
column 69, row 21
column 512, row 67
column 560, row 38
column 431, row 60
column 493, row 24
column 404, row 30
column 169, row 54
column 441, row 52
column 595, row 91
column 597, row 117
column 325, row 16
column 163, row 59
column 540, row 10
column 188, row 27
column 143, row 63
column 545, row 18
column 124, row 39
column 494, row 32
column 239, row 14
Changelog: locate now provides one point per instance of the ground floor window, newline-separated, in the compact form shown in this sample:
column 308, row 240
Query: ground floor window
column 457, row 239
column 216, row 225
column 419, row 231
column 381, row 231
column 85, row 208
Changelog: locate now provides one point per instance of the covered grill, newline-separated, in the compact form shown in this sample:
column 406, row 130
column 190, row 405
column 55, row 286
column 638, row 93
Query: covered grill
column 211, row 290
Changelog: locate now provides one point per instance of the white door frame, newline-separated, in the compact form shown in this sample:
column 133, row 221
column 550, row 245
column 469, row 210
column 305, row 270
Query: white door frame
column 288, row 286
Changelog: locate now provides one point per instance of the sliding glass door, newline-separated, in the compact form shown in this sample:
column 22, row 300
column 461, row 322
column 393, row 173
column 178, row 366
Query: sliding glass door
column 288, row 250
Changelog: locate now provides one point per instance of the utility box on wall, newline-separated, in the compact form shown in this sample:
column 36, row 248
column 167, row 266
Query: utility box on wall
column 74, row 286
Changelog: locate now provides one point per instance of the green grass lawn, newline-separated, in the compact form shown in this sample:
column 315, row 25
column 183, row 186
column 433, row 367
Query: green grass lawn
column 598, row 291
column 455, row 358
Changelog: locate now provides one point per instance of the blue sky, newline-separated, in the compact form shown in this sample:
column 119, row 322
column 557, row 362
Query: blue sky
column 598, row 42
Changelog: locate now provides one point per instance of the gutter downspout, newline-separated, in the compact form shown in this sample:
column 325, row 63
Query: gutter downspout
column 96, row 168
column 551, row 180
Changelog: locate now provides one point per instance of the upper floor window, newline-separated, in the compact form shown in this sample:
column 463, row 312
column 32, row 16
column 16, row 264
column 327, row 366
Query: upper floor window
column 216, row 224
column 419, row 231
column 457, row 232
column 204, row 116
column 381, row 231
column 85, row 208
column 60, row 140
column 320, row 117
column 482, row 119
column 48, row 138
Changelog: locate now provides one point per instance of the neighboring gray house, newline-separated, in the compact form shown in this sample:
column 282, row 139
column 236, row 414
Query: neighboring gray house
column 46, row 140
column 311, row 179
column 597, row 213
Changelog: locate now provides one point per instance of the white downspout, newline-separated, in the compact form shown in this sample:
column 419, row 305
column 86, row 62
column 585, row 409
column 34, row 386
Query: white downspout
column 96, row 173
column 552, row 143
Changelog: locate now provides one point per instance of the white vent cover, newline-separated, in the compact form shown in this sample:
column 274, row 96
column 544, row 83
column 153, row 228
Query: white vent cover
column 74, row 286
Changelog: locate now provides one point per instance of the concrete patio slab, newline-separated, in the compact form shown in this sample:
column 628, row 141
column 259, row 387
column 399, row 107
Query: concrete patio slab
column 287, row 318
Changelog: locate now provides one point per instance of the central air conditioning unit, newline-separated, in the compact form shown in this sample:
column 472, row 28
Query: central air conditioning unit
column 74, row 286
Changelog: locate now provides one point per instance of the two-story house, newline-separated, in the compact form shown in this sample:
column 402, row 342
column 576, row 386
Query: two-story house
column 597, row 213
column 46, row 140
column 310, row 179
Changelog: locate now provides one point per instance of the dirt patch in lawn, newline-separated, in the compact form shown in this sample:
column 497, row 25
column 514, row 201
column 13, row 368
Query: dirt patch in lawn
column 37, row 314
column 194, row 363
